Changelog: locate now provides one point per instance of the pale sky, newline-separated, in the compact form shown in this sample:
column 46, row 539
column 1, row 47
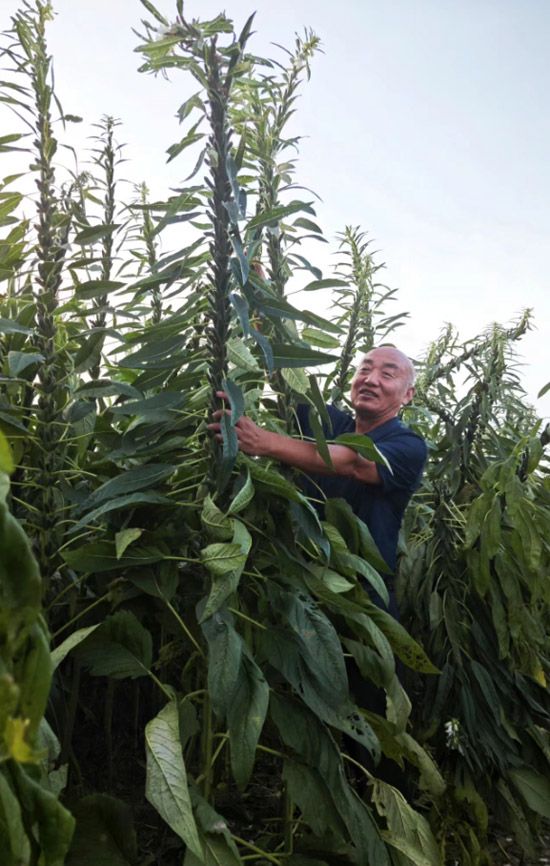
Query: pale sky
column 425, row 122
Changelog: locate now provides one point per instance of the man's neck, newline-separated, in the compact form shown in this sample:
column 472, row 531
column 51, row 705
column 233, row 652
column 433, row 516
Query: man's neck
column 366, row 424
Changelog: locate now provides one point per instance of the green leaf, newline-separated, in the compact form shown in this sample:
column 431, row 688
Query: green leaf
column 8, row 326
column 544, row 390
column 6, row 457
column 91, row 234
column 298, row 356
column 15, row 843
column 217, row 525
column 52, row 824
column 324, row 284
column 405, row 647
column 236, row 399
column 101, row 556
column 364, row 446
column 224, row 660
column 104, row 835
column 74, row 639
column 271, row 481
column 121, row 647
column 534, row 789
column 220, row 559
column 240, row 355
column 309, row 791
column 319, row 338
column 219, row 849
column 246, row 717
column 296, row 378
column 243, row 497
column 273, row 216
column 124, row 538
column 130, row 481
column 320, row 441
column 119, row 503
column 19, row 361
column 96, row 288
column 408, row 831
column 225, row 582
column 166, row 784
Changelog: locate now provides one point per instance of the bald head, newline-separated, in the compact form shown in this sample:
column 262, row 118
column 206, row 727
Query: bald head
column 396, row 356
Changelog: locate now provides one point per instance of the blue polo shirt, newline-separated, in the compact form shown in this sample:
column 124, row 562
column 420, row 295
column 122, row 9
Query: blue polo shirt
column 380, row 506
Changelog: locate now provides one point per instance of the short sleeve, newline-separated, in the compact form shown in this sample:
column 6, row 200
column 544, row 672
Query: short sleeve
column 406, row 455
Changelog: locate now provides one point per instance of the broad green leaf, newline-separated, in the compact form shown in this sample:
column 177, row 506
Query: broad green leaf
column 91, row 234
column 19, row 361
column 309, row 791
column 104, row 834
column 405, row 647
column 246, row 716
column 332, row 580
column 224, row 660
column 217, row 841
column 225, row 582
column 408, row 831
column 544, row 390
column 15, row 843
column 243, row 497
column 364, row 446
column 240, row 355
column 130, row 481
column 119, row 503
column 53, row 825
column 101, row 556
column 273, row 216
column 324, row 284
column 319, row 403
column 166, row 784
column 96, row 288
column 74, row 639
column 236, row 399
column 534, row 788
column 120, row 647
column 124, row 538
column 8, row 326
column 319, row 338
column 163, row 402
column 6, row 457
column 288, row 355
column 320, row 440
column 222, row 558
column 271, row 481
column 296, row 378
column 217, row 525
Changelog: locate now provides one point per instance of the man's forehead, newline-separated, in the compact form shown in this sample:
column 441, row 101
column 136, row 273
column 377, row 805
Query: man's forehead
column 391, row 358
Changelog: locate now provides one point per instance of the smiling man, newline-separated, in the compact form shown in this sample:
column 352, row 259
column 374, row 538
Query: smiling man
column 382, row 384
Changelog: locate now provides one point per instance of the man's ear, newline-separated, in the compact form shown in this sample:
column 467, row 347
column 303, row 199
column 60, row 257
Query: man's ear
column 409, row 394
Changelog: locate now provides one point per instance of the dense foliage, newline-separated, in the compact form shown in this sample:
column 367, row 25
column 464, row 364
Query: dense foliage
column 200, row 610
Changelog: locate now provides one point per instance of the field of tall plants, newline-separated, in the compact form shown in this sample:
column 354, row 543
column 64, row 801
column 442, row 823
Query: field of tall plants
column 175, row 616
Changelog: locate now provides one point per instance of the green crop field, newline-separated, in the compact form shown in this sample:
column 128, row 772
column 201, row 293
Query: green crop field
column 175, row 617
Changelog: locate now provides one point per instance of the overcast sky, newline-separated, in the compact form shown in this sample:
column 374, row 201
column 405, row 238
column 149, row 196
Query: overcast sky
column 425, row 122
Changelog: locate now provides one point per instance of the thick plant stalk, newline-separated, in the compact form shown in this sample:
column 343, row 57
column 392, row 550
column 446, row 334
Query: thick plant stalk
column 220, row 245
column 106, row 160
column 52, row 232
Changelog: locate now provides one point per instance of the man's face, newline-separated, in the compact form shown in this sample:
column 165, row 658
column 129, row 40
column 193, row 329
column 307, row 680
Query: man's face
column 382, row 384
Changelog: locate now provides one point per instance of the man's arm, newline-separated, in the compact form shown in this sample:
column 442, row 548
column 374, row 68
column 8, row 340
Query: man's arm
column 258, row 442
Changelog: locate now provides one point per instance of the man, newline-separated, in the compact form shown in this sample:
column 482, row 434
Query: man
column 382, row 384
